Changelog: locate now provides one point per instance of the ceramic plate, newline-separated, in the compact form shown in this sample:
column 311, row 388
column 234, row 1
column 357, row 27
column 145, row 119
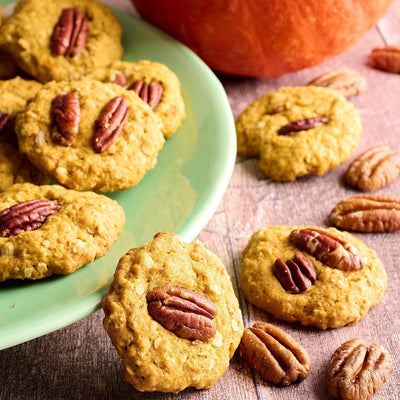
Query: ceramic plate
column 179, row 195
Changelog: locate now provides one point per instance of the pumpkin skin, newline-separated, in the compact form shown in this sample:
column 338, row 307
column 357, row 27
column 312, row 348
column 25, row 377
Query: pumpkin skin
column 264, row 38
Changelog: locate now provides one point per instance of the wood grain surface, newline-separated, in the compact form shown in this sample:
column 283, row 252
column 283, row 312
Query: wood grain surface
column 79, row 362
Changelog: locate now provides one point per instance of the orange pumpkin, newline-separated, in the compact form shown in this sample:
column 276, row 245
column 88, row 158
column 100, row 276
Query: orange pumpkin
column 264, row 38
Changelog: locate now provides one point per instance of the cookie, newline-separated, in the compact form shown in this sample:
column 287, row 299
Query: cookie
column 63, row 39
column 15, row 167
column 297, row 131
column 158, row 358
column 71, row 152
column 14, row 94
column 341, row 294
column 155, row 83
column 48, row 229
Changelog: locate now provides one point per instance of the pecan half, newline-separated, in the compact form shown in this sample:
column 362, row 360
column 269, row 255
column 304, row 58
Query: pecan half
column 26, row 216
column 374, row 169
column 356, row 372
column 70, row 34
column 295, row 275
column 346, row 81
column 327, row 248
column 119, row 78
column 274, row 354
column 367, row 213
column 110, row 123
column 67, row 113
column 187, row 314
column 4, row 117
column 277, row 110
column 150, row 94
column 302, row 125
column 386, row 58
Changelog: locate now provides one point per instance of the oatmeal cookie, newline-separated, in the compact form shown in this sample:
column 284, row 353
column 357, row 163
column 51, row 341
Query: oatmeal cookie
column 338, row 296
column 48, row 229
column 158, row 355
column 63, row 39
column 155, row 83
column 62, row 137
column 297, row 131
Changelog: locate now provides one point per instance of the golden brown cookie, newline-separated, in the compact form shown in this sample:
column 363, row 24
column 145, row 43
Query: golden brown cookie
column 188, row 344
column 347, row 281
column 155, row 83
column 94, row 136
column 298, row 131
column 48, row 229
column 63, row 39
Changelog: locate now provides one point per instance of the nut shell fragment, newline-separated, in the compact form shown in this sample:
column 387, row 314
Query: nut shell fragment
column 357, row 372
column 367, row 213
column 274, row 354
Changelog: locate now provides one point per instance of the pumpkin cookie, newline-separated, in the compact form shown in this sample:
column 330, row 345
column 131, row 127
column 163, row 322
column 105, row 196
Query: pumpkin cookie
column 14, row 94
column 288, row 273
column 48, row 229
column 187, row 343
column 298, row 131
column 155, row 83
column 14, row 167
column 63, row 39
column 89, row 135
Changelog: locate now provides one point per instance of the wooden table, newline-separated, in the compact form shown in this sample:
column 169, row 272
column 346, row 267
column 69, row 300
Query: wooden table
column 79, row 362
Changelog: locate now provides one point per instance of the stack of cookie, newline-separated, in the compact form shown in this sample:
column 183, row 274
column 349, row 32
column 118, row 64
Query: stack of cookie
column 72, row 112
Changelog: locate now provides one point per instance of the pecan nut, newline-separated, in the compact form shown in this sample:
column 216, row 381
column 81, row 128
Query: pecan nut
column 356, row 372
column 374, row 169
column 302, row 125
column 295, row 275
column 70, row 34
column 4, row 117
column 327, row 248
column 67, row 113
column 274, row 354
column 26, row 216
column 187, row 314
column 110, row 123
column 386, row 58
column 119, row 78
column 367, row 213
column 346, row 81
column 149, row 93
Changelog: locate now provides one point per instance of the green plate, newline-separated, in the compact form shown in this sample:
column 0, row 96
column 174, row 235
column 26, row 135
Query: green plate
column 179, row 195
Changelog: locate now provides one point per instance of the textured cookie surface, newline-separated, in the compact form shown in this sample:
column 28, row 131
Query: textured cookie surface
column 27, row 34
column 336, row 298
column 84, row 228
column 155, row 359
column 284, row 157
column 79, row 166
column 15, row 167
column 171, row 108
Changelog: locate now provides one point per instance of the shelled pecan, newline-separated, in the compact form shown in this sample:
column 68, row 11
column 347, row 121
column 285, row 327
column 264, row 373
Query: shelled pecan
column 344, row 80
column 367, row 213
column 374, row 169
column 67, row 113
column 26, row 216
column 328, row 248
column 182, row 311
column 386, row 58
column 119, row 78
column 4, row 117
column 302, row 125
column 149, row 93
column 70, row 34
column 110, row 123
column 356, row 372
column 274, row 354
column 295, row 275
